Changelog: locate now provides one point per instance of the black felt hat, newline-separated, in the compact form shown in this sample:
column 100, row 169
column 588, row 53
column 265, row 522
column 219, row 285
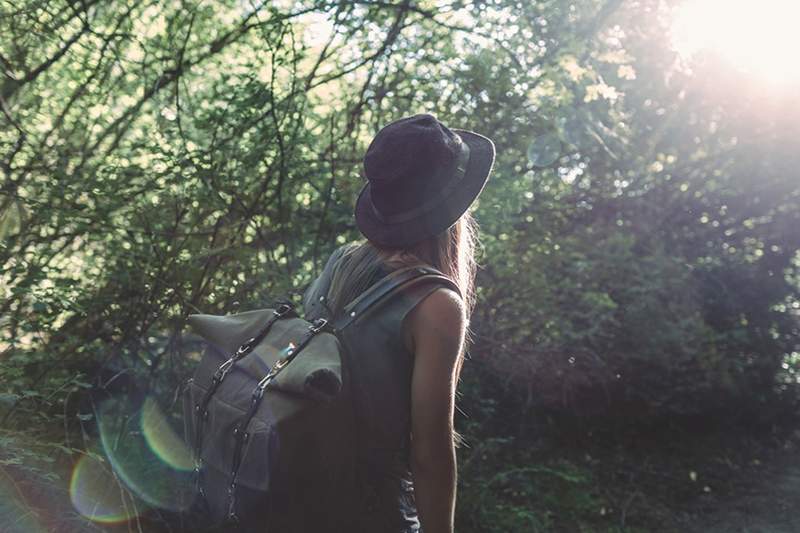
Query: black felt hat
column 421, row 177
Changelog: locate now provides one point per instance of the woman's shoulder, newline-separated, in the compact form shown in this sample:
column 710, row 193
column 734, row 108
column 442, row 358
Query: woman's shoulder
column 443, row 306
column 438, row 319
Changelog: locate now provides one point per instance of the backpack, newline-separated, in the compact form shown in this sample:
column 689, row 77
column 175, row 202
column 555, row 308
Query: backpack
column 269, row 418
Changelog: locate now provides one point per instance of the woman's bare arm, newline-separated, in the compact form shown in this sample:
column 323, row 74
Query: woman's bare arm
column 437, row 327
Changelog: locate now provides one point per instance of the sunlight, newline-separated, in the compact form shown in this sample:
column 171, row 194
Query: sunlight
column 757, row 36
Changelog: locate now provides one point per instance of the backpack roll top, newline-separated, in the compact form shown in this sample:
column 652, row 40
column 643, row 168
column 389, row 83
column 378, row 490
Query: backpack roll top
column 252, row 411
column 316, row 375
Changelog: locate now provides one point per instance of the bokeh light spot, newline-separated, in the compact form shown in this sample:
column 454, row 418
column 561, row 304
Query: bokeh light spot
column 544, row 150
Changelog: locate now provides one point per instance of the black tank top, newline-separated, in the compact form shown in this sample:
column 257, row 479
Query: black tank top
column 381, row 368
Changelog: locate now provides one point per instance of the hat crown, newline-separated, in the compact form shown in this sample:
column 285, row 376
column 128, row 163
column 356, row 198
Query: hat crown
column 408, row 160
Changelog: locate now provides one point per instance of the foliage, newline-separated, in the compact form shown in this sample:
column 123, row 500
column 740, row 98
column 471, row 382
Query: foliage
column 640, row 242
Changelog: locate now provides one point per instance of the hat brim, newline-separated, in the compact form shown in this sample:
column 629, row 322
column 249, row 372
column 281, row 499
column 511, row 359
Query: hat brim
column 444, row 215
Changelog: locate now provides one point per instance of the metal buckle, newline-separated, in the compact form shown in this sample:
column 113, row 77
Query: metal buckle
column 223, row 369
column 281, row 310
column 258, row 392
column 318, row 325
column 278, row 366
column 244, row 348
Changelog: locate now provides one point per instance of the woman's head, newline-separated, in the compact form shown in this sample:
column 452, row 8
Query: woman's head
column 421, row 178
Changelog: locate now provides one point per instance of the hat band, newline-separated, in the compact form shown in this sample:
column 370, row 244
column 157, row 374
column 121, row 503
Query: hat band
column 462, row 160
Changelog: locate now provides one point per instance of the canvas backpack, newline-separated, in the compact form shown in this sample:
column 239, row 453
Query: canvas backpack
column 269, row 418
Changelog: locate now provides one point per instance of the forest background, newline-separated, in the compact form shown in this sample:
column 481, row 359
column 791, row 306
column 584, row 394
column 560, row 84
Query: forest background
column 636, row 348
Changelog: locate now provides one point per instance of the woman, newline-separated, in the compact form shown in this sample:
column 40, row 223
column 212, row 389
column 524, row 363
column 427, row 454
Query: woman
column 422, row 178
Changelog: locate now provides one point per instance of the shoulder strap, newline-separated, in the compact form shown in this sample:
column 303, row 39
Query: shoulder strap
column 394, row 281
column 321, row 285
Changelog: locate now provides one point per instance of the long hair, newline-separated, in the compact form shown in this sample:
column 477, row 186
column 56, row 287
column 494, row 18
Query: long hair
column 452, row 252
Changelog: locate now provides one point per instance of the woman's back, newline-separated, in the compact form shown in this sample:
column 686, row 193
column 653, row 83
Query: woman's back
column 381, row 367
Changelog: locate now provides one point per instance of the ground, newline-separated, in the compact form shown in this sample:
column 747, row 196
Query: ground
column 746, row 486
column 769, row 503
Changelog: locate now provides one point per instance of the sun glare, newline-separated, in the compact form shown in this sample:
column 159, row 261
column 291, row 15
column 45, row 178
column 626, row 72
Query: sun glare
column 759, row 37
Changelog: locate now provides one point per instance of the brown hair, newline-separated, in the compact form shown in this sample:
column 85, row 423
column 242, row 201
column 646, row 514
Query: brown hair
column 451, row 251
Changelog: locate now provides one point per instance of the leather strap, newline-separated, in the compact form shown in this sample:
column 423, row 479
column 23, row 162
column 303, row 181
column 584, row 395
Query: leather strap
column 240, row 431
column 401, row 278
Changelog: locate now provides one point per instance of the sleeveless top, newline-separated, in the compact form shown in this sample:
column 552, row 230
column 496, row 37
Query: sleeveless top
column 380, row 368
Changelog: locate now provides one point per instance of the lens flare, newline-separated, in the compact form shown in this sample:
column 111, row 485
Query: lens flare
column 151, row 475
column 97, row 495
column 162, row 439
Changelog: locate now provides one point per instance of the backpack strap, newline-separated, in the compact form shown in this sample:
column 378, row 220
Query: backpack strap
column 380, row 291
column 321, row 285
